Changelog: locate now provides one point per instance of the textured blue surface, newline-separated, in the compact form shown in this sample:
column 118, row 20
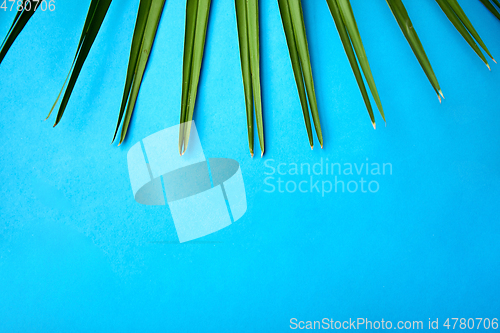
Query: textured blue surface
column 78, row 254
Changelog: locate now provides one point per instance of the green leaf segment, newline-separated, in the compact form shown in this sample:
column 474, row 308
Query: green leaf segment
column 401, row 15
column 20, row 21
column 490, row 4
column 197, row 12
column 351, row 39
column 457, row 16
column 148, row 18
column 295, row 32
column 247, row 17
column 95, row 17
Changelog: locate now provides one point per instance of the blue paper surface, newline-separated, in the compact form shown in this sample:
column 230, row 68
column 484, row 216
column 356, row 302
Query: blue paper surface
column 77, row 253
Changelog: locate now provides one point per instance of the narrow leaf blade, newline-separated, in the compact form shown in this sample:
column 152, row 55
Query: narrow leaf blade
column 297, row 70
column 468, row 25
column 352, row 28
column 137, row 39
column 241, row 19
column 253, row 37
column 491, row 8
column 20, row 21
column 351, row 56
column 197, row 60
column 190, row 30
column 403, row 19
column 303, row 51
column 149, row 34
column 97, row 17
column 445, row 7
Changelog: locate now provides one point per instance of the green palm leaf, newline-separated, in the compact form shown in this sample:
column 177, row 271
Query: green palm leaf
column 247, row 16
column 401, row 15
column 197, row 12
column 95, row 17
column 457, row 17
column 20, row 21
column 491, row 8
column 148, row 18
column 293, row 24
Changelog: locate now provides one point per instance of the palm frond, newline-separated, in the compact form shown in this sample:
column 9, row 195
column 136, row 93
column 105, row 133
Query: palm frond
column 95, row 17
column 197, row 13
column 349, row 34
column 293, row 24
column 247, row 16
column 20, row 20
column 399, row 11
column 458, row 18
column 148, row 18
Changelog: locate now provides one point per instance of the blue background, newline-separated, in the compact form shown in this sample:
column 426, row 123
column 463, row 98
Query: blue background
column 78, row 254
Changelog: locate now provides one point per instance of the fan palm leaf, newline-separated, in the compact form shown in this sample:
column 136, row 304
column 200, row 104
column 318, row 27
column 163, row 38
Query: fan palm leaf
column 247, row 15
